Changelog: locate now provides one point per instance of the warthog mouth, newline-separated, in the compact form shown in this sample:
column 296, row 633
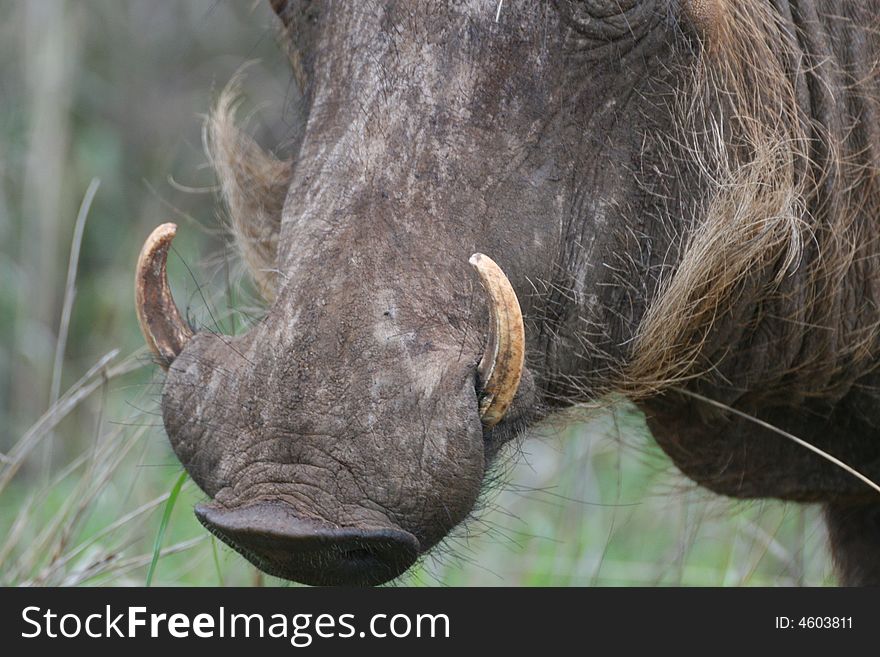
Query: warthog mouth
column 273, row 537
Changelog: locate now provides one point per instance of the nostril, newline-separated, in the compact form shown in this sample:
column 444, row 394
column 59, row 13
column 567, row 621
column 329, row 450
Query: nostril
column 280, row 542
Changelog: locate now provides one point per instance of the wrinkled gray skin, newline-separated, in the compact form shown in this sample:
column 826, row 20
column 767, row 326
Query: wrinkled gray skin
column 340, row 437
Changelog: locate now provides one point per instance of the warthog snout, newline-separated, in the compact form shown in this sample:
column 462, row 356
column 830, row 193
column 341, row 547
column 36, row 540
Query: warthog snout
column 308, row 550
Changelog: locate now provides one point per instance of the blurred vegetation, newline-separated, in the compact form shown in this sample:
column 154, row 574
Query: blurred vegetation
column 113, row 90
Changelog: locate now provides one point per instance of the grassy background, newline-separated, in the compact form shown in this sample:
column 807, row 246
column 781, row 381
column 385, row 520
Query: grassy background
column 112, row 90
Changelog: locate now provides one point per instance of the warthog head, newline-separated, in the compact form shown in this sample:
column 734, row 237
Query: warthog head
column 628, row 181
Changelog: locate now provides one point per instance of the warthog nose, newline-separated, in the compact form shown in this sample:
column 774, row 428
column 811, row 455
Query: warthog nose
column 278, row 541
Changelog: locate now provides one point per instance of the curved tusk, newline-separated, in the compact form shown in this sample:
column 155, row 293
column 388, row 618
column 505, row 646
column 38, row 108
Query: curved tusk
column 164, row 329
column 501, row 366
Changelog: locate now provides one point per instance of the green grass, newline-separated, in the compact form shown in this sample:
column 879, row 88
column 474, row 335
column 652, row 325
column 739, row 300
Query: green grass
column 163, row 525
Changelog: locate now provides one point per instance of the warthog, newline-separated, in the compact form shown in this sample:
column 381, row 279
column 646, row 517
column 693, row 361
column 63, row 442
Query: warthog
column 672, row 200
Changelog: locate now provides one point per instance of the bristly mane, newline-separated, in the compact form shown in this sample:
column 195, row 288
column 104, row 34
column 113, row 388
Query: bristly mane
column 762, row 301
column 253, row 185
